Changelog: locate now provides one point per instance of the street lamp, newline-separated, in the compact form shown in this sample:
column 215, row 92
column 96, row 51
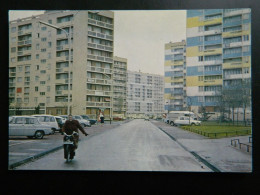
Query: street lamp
column 68, row 36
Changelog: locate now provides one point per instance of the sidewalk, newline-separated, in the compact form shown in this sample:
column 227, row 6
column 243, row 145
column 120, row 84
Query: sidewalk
column 218, row 152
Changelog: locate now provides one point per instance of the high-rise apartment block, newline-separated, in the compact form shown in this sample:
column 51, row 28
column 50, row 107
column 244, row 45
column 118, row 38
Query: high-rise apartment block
column 119, row 87
column 218, row 53
column 144, row 94
column 175, row 76
column 40, row 65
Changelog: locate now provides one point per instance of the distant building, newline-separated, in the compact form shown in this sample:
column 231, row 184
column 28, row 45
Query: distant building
column 144, row 94
column 218, row 54
column 119, row 87
column 175, row 76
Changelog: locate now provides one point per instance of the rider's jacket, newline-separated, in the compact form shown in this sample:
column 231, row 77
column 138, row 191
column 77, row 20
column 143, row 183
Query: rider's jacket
column 71, row 126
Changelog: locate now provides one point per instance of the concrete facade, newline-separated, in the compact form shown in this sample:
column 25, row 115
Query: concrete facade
column 144, row 94
column 39, row 62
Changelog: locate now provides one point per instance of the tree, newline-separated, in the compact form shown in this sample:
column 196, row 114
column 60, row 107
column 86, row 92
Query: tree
column 37, row 110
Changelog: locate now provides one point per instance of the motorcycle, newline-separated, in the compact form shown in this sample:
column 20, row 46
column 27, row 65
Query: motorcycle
column 68, row 145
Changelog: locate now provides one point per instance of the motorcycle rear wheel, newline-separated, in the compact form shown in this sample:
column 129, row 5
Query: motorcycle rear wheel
column 67, row 152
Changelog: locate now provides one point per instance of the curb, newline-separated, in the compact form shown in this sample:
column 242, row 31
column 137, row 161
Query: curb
column 12, row 166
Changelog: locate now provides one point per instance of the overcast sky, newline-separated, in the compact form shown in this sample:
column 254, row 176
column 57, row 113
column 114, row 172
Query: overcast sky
column 140, row 36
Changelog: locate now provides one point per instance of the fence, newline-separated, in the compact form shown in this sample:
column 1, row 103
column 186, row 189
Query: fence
column 218, row 134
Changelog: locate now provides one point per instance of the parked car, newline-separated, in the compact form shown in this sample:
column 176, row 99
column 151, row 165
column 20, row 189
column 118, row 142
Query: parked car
column 82, row 121
column 183, row 120
column 28, row 126
column 64, row 118
column 10, row 118
column 92, row 121
column 60, row 122
column 48, row 120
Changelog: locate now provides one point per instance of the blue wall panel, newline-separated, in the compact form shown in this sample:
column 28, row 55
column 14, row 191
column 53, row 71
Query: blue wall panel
column 194, row 13
column 168, row 74
column 193, row 71
column 232, row 23
column 233, row 55
column 212, row 11
column 213, row 42
column 213, row 72
column 168, row 57
column 194, row 41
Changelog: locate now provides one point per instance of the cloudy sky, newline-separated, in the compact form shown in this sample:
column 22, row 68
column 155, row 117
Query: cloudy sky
column 140, row 36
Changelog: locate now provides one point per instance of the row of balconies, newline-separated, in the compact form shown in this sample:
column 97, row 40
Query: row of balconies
column 97, row 69
column 99, row 23
column 99, row 81
column 99, row 93
column 100, row 58
column 100, row 35
column 98, row 104
column 99, row 46
column 26, row 42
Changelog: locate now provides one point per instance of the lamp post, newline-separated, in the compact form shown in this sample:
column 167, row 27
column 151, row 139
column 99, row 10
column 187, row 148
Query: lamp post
column 68, row 36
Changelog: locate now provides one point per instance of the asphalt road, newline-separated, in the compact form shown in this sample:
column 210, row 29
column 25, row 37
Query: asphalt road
column 134, row 146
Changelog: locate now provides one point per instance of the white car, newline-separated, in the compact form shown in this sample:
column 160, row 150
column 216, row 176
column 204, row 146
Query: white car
column 184, row 120
column 28, row 126
column 82, row 121
column 48, row 120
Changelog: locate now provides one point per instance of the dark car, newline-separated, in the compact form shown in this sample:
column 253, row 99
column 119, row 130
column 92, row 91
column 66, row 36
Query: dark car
column 92, row 121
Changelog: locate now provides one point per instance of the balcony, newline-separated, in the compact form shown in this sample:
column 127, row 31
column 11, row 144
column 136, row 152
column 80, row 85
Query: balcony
column 213, row 21
column 100, row 58
column 25, row 52
column 12, row 74
column 99, row 23
column 208, row 93
column 99, row 93
column 61, row 92
column 64, row 58
column 213, row 51
column 101, row 47
column 63, row 81
column 11, row 94
column 235, row 44
column 102, row 70
column 99, row 81
column 236, row 76
column 11, row 84
column 62, row 70
column 212, row 62
column 24, row 32
column 232, row 34
column 211, row 32
column 213, row 82
column 62, row 47
column 100, row 35
column 98, row 104
column 26, row 42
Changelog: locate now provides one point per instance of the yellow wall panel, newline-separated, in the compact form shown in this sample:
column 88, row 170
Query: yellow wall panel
column 168, row 63
column 192, row 81
column 167, row 79
column 193, row 22
column 193, row 51
column 213, row 51
column 213, row 21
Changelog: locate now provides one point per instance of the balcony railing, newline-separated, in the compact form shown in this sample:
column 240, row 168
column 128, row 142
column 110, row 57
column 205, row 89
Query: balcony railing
column 100, row 58
column 96, row 69
column 99, row 23
column 99, row 93
column 26, row 42
column 102, row 47
column 100, row 35
column 99, row 81
column 98, row 104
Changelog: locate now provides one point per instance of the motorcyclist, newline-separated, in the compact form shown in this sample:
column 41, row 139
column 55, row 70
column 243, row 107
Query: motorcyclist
column 70, row 126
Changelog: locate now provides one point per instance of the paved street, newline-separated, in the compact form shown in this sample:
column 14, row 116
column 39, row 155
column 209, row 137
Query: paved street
column 135, row 146
column 139, row 145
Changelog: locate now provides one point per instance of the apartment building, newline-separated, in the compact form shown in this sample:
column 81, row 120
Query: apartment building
column 218, row 53
column 48, row 65
column 119, row 87
column 144, row 94
column 175, row 76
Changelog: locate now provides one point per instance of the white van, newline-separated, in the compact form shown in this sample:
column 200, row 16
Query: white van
column 173, row 115
column 48, row 120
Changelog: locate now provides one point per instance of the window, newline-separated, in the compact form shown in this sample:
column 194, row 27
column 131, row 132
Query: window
column 37, row 46
column 200, row 58
column 20, row 68
column 232, row 19
column 13, row 59
column 50, row 21
column 43, row 61
column 232, row 40
column 26, row 100
column 37, row 56
column 42, row 93
column 36, row 88
column 42, row 82
column 43, row 28
column 64, row 19
column 37, row 67
column 13, row 49
column 49, row 44
column 212, row 37
column 27, row 68
column 233, row 50
column 36, row 78
column 13, row 39
column 213, row 57
column 44, row 39
column 19, row 100
column 13, row 29
column 201, row 88
column 245, row 70
column 43, row 50
column 19, row 79
column 36, row 99
column 43, row 71
column 200, row 78
column 49, row 55
column 200, row 99
column 245, row 37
